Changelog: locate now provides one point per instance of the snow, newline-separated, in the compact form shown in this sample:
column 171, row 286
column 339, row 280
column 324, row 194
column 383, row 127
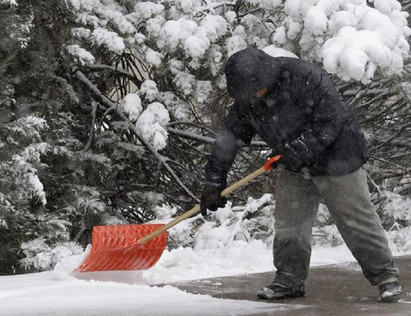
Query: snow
column 132, row 106
column 37, row 187
column 194, row 39
column 274, row 51
column 203, row 89
column 10, row 2
column 184, row 81
column 42, row 294
column 399, row 207
column 149, row 90
column 372, row 35
column 218, row 251
column 61, row 292
column 196, row 45
column 173, row 33
column 109, row 39
column 81, row 32
column 153, row 57
column 119, row 20
column 80, row 54
column 151, row 125
column 215, row 26
column 316, row 20
column 222, row 247
column 147, row 9
column 234, row 44
column 351, row 38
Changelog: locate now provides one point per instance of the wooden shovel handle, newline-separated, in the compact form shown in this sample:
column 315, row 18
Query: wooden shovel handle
column 267, row 166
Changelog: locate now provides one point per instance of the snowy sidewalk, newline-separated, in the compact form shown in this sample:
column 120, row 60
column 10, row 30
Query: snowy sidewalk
column 330, row 290
column 337, row 289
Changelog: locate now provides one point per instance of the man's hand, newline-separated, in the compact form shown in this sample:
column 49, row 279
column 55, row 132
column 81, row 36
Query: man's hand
column 290, row 159
column 211, row 198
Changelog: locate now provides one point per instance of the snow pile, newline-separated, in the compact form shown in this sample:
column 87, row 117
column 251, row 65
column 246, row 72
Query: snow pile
column 233, row 241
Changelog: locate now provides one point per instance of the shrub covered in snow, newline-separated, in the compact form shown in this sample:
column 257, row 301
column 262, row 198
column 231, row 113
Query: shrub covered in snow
column 40, row 256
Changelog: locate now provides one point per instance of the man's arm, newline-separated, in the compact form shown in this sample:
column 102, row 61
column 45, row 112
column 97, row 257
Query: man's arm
column 235, row 132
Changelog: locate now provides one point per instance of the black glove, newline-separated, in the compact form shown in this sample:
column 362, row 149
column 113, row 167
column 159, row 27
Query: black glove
column 288, row 160
column 291, row 159
column 211, row 198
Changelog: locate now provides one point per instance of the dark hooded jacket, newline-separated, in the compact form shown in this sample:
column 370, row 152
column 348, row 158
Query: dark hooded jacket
column 301, row 117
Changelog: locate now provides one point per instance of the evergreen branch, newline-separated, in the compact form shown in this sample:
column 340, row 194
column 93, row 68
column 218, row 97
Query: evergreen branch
column 406, row 170
column 118, row 70
column 205, row 139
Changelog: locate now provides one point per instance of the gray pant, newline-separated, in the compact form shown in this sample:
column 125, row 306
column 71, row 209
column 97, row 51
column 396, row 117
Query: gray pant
column 347, row 199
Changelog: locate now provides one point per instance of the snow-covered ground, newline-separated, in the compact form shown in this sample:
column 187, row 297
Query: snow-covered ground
column 59, row 292
column 220, row 250
column 222, row 247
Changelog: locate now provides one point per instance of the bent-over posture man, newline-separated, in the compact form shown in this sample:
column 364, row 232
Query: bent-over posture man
column 294, row 107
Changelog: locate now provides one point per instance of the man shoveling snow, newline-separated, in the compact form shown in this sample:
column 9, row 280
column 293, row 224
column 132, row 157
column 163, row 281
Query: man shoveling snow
column 294, row 107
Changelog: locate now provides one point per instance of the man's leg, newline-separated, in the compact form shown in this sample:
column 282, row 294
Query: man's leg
column 296, row 207
column 347, row 198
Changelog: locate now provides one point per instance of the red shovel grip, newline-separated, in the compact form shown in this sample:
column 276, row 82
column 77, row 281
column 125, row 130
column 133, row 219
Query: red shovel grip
column 269, row 163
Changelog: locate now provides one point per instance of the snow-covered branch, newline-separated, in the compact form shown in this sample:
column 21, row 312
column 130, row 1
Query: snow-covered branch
column 160, row 158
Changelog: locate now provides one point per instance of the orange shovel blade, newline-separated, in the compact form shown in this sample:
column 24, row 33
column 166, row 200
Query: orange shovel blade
column 117, row 248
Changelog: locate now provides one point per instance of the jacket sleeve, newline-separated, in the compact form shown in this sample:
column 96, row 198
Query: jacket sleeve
column 326, row 116
column 235, row 133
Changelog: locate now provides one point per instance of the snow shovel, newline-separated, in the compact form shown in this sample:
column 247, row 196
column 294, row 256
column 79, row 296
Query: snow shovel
column 139, row 246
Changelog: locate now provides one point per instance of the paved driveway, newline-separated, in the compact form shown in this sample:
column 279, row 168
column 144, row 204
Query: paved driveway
column 330, row 290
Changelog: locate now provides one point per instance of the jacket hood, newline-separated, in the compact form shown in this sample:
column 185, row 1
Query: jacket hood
column 248, row 71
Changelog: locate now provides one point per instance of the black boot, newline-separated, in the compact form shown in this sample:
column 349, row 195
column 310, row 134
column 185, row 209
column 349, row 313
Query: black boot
column 389, row 292
column 278, row 291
